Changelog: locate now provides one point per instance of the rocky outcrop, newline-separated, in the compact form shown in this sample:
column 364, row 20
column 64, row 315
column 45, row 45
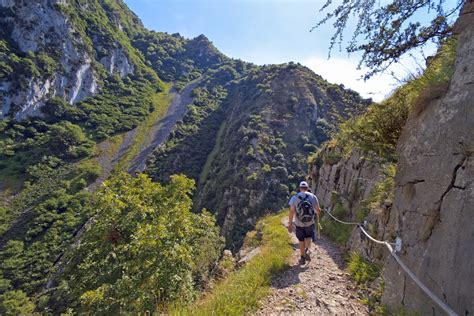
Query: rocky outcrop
column 345, row 180
column 347, row 183
column 36, row 27
column 117, row 62
column 435, row 193
column 43, row 28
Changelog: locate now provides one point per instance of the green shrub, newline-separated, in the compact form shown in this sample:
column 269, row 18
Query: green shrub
column 361, row 270
column 16, row 303
column 382, row 193
column 144, row 235
column 367, row 275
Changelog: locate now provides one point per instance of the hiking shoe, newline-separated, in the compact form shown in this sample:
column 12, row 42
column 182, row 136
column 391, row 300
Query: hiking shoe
column 302, row 260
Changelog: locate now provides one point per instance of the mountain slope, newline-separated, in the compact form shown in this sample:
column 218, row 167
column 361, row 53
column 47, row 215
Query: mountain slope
column 259, row 129
column 76, row 75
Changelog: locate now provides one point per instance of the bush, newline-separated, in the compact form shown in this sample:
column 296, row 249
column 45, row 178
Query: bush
column 361, row 270
column 382, row 193
column 144, row 249
column 338, row 232
column 16, row 303
column 367, row 275
column 67, row 140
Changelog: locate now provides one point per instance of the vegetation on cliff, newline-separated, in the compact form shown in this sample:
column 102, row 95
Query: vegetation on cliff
column 376, row 132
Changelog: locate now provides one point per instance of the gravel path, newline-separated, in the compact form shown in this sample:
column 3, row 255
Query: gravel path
column 161, row 130
column 320, row 287
column 158, row 134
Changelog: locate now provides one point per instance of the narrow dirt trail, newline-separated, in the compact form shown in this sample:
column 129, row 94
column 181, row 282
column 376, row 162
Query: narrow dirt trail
column 320, row 287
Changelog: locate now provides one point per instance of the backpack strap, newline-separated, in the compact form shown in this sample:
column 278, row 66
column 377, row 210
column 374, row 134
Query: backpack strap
column 306, row 196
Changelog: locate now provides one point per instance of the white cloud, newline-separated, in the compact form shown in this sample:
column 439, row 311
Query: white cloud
column 344, row 71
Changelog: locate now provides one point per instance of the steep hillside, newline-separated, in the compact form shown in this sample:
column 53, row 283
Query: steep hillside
column 245, row 141
column 69, row 50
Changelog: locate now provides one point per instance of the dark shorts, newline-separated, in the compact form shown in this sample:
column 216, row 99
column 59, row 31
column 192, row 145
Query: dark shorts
column 304, row 232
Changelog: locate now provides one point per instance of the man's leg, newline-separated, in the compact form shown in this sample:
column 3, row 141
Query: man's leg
column 314, row 233
column 301, row 238
column 302, row 247
column 308, row 242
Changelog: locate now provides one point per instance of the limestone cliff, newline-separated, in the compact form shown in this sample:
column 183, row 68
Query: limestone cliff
column 45, row 54
column 430, row 207
column 435, row 193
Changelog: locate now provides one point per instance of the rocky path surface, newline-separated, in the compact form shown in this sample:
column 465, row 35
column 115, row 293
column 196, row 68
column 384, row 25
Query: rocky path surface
column 162, row 128
column 320, row 287
column 158, row 134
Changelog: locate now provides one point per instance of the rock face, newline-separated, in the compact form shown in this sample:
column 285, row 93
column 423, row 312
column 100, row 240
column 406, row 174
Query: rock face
column 348, row 182
column 35, row 26
column 353, row 178
column 435, row 193
column 42, row 29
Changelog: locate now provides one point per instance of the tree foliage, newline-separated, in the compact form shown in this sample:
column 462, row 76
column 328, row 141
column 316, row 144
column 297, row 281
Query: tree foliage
column 377, row 131
column 16, row 303
column 145, row 247
column 385, row 32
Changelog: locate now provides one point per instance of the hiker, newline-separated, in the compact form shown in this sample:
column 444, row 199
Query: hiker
column 304, row 205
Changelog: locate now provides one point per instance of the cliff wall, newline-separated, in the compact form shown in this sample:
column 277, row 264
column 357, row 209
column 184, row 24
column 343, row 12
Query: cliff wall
column 430, row 207
column 434, row 198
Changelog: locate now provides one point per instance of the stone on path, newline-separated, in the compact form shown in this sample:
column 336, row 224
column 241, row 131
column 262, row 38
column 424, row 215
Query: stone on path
column 319, row 287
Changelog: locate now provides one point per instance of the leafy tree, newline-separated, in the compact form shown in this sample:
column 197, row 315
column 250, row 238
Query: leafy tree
column 144, row 248
column 69, row 141
column 15, row 303
column 385, row 33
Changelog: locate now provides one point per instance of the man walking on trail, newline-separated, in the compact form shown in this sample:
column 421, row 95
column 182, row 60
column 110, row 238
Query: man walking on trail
column 304, row 205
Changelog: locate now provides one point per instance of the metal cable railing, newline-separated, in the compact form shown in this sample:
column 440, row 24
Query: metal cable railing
column 404, row 267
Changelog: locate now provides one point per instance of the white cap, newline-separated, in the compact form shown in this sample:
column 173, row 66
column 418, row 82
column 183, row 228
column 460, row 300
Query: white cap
column 303, row 184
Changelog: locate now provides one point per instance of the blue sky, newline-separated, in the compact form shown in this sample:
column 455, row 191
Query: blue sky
column 265, row 32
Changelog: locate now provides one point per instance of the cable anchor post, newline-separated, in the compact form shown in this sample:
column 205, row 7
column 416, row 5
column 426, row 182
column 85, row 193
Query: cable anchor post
column 398, row 244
